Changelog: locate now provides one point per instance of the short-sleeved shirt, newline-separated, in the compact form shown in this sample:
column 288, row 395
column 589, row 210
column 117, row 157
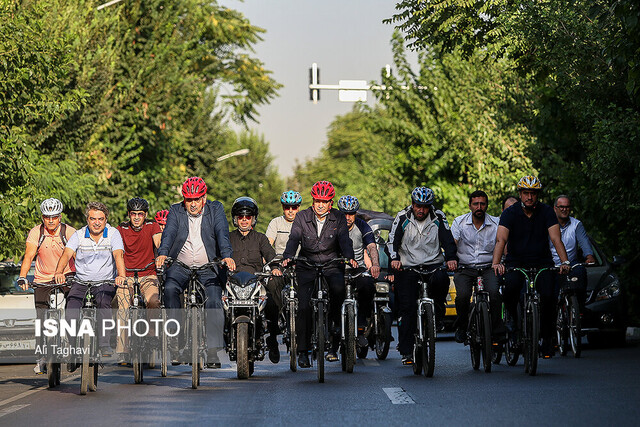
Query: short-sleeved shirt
column 528, row 237
column 249, row 251
column 138, row 246
column 475, row 246
column 94, row 261
column 49, row 253
column 361, row 236
column 278, row 230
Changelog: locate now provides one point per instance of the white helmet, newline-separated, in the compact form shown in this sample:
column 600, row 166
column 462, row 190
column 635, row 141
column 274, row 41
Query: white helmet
column 51, row 207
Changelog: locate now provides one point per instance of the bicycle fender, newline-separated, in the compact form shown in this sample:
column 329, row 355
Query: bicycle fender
column 242, row 319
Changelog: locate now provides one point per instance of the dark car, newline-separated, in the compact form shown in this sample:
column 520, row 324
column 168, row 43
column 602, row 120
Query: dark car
column 604, row 319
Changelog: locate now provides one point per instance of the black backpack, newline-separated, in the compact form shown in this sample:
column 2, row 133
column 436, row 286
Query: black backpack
column 63, row 235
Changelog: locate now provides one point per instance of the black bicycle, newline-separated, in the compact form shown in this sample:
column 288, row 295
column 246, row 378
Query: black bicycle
column 511, row 347
column 479, row 323
column 349, row 319
column 568, row 322
column 288, row 315
column 53, row 343
column 424, row 347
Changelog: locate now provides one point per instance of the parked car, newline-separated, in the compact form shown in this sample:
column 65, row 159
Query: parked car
column 17, row 316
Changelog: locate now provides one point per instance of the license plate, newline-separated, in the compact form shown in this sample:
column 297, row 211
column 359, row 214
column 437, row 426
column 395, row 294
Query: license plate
column 18, row 345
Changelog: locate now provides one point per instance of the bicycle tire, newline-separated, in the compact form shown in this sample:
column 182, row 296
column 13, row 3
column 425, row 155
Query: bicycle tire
column 137, row 367
column 350, row 339
column 472, row 334
column 383, row 335
column 84, row 372
column 164, row 351
column 561, row 328
column 512, row 346
column 195, row 347
column 429, row 347
column 485, row 335
column 135, row 349
column 293, row 344
column 532, row 338
column 320, row 329
column 575, row 327
column 242, row 348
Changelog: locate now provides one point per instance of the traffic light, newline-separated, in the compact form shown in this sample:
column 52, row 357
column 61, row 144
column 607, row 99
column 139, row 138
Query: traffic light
column 314, row 79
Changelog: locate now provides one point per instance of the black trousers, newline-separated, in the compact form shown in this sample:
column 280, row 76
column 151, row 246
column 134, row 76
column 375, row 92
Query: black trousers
column 365, row 288
column 306, row 279
column 273, row 307
column 407, row 294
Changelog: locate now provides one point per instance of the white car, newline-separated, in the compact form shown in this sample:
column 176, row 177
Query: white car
column 17, row 317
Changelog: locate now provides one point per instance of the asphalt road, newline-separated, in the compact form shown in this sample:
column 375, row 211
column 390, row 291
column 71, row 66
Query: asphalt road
column 602, row 387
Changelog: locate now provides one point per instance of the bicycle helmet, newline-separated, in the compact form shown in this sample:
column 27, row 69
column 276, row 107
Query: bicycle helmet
column 161, row 217
column 244, row 206
column 422, row 196
column 529, row 182
column 323, row 190
column 348, row 204
column 194, row 188
column 51, row 207
column 137, row 204
column 292, row 198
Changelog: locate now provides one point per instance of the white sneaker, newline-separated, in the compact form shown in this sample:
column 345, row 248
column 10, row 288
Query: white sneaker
column 40, row 368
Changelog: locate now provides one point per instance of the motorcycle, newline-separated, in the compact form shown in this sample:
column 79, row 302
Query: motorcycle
column 244, row 300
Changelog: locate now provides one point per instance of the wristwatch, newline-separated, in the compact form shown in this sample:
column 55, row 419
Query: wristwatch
column 567, row 262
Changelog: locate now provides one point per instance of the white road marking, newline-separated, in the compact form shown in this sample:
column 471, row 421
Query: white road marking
column 10, row 409
column 398, row 396
column 370, row 362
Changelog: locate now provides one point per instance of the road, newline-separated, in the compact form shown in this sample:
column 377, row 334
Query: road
column 602, row 387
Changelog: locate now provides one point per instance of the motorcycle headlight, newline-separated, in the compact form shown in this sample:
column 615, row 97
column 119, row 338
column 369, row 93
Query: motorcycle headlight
column 382, row 287
column 609, row 291
column 245, row 292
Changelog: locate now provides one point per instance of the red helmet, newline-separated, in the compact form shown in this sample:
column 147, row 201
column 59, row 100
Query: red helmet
column 323, row 190
column 194, row 187
column 161, row 217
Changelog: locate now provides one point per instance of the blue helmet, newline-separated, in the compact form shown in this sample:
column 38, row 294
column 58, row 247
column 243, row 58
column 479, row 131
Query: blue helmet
column 291, row 197
column 348, row 204
column 422, row 196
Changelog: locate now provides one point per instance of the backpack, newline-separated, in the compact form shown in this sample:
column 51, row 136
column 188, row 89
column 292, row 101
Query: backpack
column 63, row 235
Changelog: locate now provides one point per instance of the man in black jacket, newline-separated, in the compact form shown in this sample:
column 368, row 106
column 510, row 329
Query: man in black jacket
column 322, row 234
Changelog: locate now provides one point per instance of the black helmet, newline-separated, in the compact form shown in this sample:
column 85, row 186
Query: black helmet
column 137, row 204
column 244, row 206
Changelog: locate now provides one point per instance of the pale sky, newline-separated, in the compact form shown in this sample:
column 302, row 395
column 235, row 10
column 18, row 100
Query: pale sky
column 348, row 41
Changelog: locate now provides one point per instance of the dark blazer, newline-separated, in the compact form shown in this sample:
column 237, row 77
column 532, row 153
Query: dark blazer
column 215, row 231
column 333, row 242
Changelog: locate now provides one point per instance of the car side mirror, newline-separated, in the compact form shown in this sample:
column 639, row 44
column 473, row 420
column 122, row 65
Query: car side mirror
column 618, row 260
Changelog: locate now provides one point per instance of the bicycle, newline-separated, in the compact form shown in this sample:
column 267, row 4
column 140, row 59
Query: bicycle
column 349, row 314
column 320, row 304
column 568, row 322
column 138, row 346
column 196, row 339
column 288, row 316
column 510, row 347
column 424, row 347
column 530, row 317
column 53, row 343
column 479, row 323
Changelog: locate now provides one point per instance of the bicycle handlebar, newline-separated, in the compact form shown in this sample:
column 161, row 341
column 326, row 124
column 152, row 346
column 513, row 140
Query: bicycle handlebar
column 139, row 270
column 312, row 264
column 420, row 269
column 356, row 272
column 480, row 269
column 216, row 262
column 91, row 283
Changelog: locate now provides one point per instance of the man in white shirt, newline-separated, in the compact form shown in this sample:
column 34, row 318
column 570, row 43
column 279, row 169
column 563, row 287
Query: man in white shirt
column 475, row 235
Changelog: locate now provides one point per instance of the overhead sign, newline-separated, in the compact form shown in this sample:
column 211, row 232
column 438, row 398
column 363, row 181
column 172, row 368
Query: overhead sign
column 352, row 92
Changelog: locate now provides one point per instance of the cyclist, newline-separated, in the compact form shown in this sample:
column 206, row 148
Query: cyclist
column 574, row 237
column 475, row 235
column 362, row 238
column 140, row 237
column 45, row 244
column 527, row 227
column 279, row 227
column 251, row 250
column 197, row 232
column 321, row 233
column 418, row 236
column 99, row 255
column 161, row 218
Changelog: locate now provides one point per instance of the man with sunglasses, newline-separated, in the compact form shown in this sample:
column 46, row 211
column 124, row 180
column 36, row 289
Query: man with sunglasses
column 45, row 244
column 140, row 237
column 196, row 233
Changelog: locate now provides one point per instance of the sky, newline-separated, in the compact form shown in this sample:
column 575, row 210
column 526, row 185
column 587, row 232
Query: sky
column 347, row 40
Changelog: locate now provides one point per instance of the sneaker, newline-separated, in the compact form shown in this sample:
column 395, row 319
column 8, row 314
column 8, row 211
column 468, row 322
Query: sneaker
column 439, row 325
column 546, row 349
column 274, row 353
column 461, row 335
column 303, row 360
column 40, row 368
column 407, row 359
column 362, row 341
column 331, row 357
column 213, row 361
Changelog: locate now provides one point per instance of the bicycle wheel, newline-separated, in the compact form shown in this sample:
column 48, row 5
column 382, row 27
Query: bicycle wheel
column 53, row 368
column 350, row 339
column 164, row 347
column 383, row 335
column 575, row 328
column 195, row 347
column 293, row 345
column 93, row 374
column 135, row 349
column 512, row 346
column 485, row 334
column 532, row 338
column 474, row 346
column 320, row 329
column 84, row 373
column 561, row 327
column 242, row 349
column 429, row 345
